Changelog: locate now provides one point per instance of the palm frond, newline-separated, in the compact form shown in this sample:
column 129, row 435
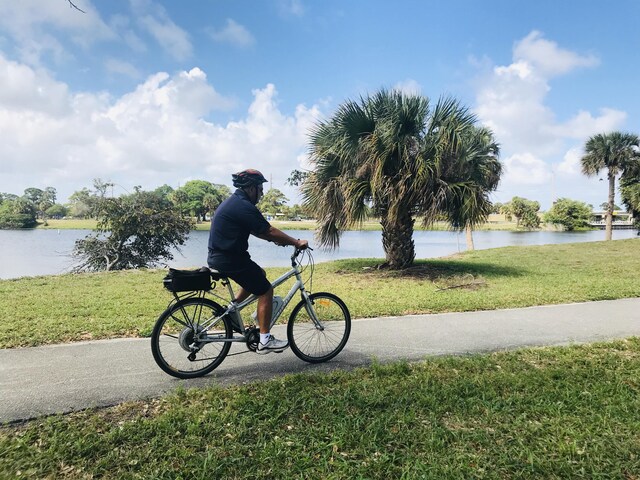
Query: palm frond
column 610, row 151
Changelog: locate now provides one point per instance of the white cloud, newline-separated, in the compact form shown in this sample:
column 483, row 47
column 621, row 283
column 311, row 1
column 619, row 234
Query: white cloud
column 122, row 25
column 511, row 103
column 409, row 87
column 547, row 58
column 234, row 34
column 511, row 100
column 154, row 20
column 40, row 29
column 184, row 97
column 526, row 169
column 23, row 88
column 170, row 36
column 583, row 124
column 155, row 134
column 31, row 24
column 570, row 164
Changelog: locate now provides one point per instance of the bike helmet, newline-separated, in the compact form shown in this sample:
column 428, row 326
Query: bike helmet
column 247, row 178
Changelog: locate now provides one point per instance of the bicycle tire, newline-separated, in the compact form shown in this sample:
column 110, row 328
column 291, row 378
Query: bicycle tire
column 173, row 333
column 312, row 344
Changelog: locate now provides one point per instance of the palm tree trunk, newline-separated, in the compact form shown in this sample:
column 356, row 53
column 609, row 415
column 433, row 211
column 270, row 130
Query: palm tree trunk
column 397, row 241
column 469, row 234
column 609, row 219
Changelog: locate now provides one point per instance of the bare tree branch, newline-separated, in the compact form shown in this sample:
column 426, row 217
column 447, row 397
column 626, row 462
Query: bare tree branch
column 73, row 5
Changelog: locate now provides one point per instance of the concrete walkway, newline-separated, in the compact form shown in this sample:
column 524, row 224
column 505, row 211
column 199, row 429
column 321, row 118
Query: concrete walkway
column 62, row 378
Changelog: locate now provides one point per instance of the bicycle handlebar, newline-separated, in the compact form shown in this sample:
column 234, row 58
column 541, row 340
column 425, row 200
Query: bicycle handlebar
column 297, row 251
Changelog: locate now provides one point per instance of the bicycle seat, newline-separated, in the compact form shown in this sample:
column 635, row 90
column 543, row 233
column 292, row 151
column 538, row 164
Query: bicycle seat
column 216, row 275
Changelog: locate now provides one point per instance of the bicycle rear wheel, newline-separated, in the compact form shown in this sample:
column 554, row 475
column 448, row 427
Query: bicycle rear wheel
column 318, row 343
column 175, row 332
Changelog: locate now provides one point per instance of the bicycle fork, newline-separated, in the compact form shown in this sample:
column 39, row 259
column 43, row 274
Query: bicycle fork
column 308, row 306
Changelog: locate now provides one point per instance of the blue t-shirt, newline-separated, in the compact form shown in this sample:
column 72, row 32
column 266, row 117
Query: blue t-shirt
column 235, row 219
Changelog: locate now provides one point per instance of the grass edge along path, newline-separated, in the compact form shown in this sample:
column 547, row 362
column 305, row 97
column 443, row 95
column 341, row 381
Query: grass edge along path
column 554, row 412
column 55, row 309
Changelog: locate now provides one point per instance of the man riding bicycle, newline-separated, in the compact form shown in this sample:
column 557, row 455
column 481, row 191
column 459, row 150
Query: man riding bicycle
column 235, row 219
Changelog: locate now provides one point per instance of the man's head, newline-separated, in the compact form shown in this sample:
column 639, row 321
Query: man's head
column 250, row 181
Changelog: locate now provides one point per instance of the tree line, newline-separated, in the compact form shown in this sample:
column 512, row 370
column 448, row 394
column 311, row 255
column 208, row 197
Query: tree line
column 196, row 198
column 565, row 212
column 23, row 211
column 143, row 229
column 199, row 199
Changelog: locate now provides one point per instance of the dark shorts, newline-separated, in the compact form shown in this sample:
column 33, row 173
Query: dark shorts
column 242, row 270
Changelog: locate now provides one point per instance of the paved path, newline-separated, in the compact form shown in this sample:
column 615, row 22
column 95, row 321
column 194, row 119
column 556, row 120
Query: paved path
column 63, row 378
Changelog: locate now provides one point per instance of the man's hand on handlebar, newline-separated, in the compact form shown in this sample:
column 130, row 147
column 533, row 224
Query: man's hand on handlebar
column 302, row 244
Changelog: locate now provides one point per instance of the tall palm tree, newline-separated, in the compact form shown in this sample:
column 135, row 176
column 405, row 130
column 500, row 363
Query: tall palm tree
column 390, row 151
column 611, row 151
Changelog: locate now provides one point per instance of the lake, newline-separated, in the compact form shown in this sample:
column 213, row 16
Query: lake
column 47, row 252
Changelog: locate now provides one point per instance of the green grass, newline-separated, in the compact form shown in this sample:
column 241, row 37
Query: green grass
column 89, row 224
column 79, row 224
column 54, row 309
column 68, row 224
column 539, row 413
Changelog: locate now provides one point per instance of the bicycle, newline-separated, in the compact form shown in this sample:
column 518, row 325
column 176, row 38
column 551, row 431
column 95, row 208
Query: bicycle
column 194, row 334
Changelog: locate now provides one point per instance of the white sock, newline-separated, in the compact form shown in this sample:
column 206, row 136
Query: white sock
column 264, row 338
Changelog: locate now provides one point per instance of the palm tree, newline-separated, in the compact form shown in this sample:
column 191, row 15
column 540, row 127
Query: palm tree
column 476, row 171
column 394, row 153
column 612, row 151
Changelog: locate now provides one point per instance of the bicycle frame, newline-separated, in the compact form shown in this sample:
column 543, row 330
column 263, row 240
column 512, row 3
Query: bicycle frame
column 297, row 286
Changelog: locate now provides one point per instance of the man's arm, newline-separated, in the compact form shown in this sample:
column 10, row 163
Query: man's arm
column 278, row 236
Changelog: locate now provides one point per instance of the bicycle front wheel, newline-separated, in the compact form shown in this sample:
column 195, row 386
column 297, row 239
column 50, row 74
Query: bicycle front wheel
column 174, row 339
column 316, row 342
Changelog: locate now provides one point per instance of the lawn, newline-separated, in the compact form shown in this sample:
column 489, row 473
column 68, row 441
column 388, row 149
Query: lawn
column 547, row 413
column 80, row 224
column 54, row 309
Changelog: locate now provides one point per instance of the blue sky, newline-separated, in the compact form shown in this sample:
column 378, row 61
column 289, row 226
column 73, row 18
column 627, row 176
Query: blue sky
column 144, row 92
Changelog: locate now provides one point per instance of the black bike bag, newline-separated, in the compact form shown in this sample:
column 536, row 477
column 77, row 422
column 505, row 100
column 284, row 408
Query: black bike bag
column 187, row 280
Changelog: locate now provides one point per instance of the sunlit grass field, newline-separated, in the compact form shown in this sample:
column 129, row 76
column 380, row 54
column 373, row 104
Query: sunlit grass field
column 543, row 413
column 54, row 309
column 79, row 224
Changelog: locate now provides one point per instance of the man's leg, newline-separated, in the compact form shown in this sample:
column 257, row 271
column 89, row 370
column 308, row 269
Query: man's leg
column 242, row 295
column 252, row 278
column 265, row 304
column 265, row 307
column 268, row 343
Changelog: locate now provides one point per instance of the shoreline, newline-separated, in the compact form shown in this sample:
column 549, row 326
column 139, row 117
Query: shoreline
column 495, row 225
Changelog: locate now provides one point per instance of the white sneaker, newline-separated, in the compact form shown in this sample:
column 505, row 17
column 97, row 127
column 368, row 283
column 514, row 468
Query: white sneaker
column 272, row 345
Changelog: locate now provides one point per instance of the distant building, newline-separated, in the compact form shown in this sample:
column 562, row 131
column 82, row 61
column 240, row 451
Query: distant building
column 621, row 219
